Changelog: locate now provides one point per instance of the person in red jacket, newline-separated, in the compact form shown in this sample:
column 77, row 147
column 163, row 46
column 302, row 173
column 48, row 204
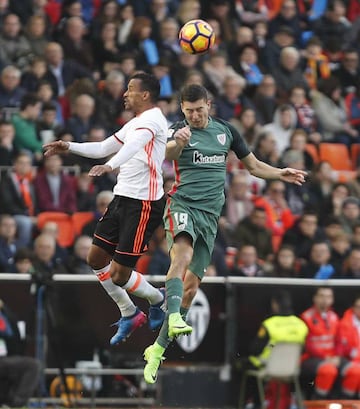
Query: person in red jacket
column 322, row 358
column 349, row 333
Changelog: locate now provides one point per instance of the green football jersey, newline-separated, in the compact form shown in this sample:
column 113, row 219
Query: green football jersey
column 200, row 171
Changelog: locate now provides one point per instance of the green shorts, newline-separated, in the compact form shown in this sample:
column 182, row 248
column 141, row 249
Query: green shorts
column 200, row 225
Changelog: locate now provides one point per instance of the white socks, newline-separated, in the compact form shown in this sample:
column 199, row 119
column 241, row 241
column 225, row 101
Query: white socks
column 118, row 294
column 139, row 286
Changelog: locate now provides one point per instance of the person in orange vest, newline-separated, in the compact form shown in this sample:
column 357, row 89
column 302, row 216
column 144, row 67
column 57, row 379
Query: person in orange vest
column 349, row 333
column 323, row 360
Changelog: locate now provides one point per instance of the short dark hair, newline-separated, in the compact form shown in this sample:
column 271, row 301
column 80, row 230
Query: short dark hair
column 148, row 83
column 284, row 302
column 29, row 99
column 193, row 92
column 49, row 106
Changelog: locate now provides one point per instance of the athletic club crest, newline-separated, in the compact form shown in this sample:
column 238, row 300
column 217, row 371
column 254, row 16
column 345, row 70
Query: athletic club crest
column 221, row 138
column 198, row 317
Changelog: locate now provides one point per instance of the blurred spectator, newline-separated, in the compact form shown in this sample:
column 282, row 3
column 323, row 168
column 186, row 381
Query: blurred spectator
column 62, row 72
column 55, row 191
column 82, row 118
column 351, row 268
column 109, row 12
column 103, row 200
column 285, row 264
column 23, row 261
column 247, row 263
column 296, row 196
column 321, row 185
column 25, row 126
column 61, row 254
column 46, row 95
column 350, row 213
column 77, row 264
column 298, row 140
column 217, row 70
column 222, row 12
column 11, row 92
column 18, row 196
column 322, row 358
column 243, row 35
column 85, row 192
column 284, row 37
column 265, row 99
column 47, row 125
column 333, row 23
column 141, row 40
column 349, row 331
column 283, row 125
column 19, row 374
column 303, row 235
column 7, row 148
column 289, row 74
column 74, row 44
column 248, row 67
column 261, row 40
column 330, row 110
column 332, row 206
column 36, row 34
column 69, row 8
column 4, row 11
column 356, row 235
column 332, row 227
column 168, row 42
column 279, row 217
column 9, row 243
column 250, row 12
column 319, row 265
column 352, row 104
column 127, row 18
column 161, row 71
column 232, row 101
column 306, row 118
column 238, row 203
column 265, row 148
column 107, row 55
column 32, row 78
column 315, row 64
column 44, row 265
column 187, row 63
column 287, row 17
column 188, row 10
column 349, row 71
column 340, row 248
column 253, row 231
column 14, row 45
column 247, row 125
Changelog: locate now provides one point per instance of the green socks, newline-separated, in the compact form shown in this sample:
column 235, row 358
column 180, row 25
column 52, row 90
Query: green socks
column 174, row 293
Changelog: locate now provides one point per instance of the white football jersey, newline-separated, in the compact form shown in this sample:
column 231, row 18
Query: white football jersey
column 141, row 176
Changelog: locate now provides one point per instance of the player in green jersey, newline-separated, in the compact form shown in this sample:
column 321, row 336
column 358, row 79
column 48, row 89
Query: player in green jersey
column 199, row 149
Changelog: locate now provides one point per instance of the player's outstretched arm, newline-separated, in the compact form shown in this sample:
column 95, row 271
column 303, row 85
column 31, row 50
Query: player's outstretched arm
column 56, row 147
column 265, row 171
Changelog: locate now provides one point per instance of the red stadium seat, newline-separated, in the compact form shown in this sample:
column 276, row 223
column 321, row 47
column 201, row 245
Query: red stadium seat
column 337, row 154
column 80, row 219
column 64, row 222
column 355, row 153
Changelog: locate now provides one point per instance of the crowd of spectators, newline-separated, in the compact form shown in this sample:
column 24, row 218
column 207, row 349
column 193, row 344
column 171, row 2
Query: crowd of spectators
column 284, row 73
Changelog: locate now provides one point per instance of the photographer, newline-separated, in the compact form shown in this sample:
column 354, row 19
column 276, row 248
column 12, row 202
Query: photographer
column 19, row 375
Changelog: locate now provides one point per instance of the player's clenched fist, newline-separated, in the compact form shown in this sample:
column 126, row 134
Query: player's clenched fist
column 182, row 136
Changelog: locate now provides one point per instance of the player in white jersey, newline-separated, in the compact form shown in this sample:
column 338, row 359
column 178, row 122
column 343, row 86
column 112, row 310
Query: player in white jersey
column 123, row 232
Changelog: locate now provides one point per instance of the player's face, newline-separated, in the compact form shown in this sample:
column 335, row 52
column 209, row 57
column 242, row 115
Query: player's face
column 134, row 95
column 196, row 113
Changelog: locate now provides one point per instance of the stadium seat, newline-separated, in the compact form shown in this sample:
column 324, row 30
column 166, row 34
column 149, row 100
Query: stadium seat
column 283, row 365
column 64, row 222
column 80, row 219
column 312, row 150
column 355, row 153
column 337, row 154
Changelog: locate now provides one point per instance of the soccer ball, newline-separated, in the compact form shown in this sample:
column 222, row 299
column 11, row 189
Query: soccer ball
column 196, row 37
